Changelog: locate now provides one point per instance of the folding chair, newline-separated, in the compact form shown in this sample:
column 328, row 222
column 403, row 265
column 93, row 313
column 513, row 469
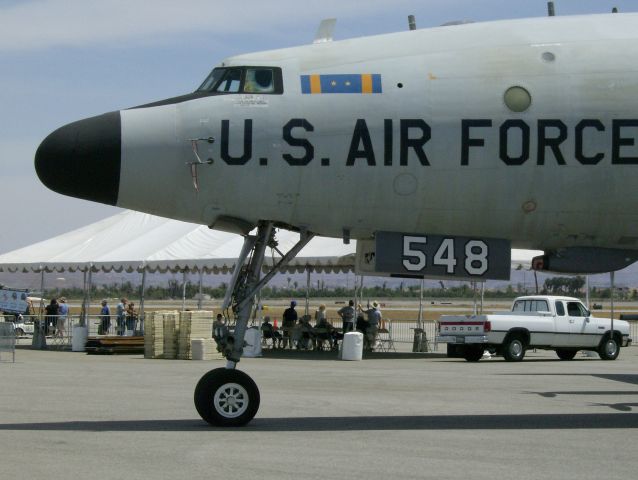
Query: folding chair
column 384, row 338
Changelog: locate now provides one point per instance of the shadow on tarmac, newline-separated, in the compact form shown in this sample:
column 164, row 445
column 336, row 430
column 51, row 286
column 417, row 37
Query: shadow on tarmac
column 335, row 424
column 334, row 356
column 617, row 377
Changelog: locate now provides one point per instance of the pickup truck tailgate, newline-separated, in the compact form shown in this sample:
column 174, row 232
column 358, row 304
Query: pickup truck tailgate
column 459, row 328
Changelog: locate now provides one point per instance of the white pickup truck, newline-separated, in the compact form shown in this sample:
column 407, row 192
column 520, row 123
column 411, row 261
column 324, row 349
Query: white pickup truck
column 562, row 324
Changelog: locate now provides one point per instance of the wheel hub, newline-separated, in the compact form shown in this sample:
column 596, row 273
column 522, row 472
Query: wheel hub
column 231, row 400
column 516, row 348
column 611, row 348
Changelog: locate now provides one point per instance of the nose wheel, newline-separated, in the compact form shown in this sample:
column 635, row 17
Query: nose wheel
column 226, row 398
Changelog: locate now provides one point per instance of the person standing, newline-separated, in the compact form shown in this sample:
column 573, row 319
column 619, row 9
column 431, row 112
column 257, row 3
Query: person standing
column 121, row 316
column 51, row 319
column 63, row 312
column 288, row 322
column 320, row 315
column 105, row 319
column 347, row 315
column 131, row 318
column 373, row 321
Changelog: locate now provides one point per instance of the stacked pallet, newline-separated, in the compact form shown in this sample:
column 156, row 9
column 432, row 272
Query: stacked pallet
column 112, row 345
column 193, row 325
column 205, row 349
column 154, row 335
column 171, row 329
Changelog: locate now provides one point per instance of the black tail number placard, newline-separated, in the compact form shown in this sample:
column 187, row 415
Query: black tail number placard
column 442, row 256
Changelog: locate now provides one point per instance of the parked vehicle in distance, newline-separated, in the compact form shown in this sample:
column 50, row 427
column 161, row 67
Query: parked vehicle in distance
column 562, row 324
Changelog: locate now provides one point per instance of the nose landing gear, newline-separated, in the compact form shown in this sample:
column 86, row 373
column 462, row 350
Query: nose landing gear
column 227, row 397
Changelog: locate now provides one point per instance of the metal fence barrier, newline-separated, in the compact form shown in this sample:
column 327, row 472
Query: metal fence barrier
column 98, row 325
column 7, row 340
column 402, row 331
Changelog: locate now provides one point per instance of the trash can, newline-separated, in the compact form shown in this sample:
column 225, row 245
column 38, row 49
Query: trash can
column 420, row 341
column 197, row 348
column 80, row 334
column 252, row 338
column 352, row 346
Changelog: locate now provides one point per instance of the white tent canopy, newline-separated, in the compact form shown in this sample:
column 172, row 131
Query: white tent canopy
column 133, row 241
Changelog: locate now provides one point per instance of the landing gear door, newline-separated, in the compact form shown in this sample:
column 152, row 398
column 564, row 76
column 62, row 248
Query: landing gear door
column 434, row 256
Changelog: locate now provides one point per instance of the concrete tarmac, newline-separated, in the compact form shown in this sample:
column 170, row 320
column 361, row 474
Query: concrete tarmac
column 406, row 416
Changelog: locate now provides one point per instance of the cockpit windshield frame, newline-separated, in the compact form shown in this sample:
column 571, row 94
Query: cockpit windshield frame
column 218, row 81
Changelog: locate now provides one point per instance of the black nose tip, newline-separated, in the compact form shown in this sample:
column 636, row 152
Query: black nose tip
column 82, row 159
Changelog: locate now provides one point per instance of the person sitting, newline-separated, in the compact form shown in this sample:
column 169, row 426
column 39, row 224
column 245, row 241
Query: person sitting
column 269, row 332
column 306, row 334
column 324, row 332
column 220, row 332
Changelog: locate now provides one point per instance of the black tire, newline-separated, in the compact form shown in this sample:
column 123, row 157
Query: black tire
column 226, row 398
column 564, row 354
column 19, row 332
column 514, row 348
column 473, row 354
column 609, row 348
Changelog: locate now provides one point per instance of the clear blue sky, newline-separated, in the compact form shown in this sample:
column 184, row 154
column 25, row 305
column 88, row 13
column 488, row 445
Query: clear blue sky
column 63, row 60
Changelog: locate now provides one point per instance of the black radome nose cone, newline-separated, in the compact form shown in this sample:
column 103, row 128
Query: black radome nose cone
column 82, row 159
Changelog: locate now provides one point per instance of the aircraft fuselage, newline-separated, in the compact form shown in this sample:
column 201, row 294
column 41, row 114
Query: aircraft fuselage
column 418, row 131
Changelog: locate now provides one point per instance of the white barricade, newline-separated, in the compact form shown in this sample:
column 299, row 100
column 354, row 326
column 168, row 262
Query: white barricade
column 7, row 339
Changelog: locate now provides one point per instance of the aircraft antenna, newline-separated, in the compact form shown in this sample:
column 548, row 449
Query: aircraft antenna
column 550, row 9
column 325, row 30
column 411, row 22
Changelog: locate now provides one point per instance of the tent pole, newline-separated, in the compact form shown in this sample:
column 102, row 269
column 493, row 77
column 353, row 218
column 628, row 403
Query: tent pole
column 39, row 341
column 183, row 290
column 612, row 278
column 83, row 310
column 88, row 297
column 142, row 298
column 419, row 322
column 482, row 296
column 201, row 279
column 475, row 299
column 307, row 290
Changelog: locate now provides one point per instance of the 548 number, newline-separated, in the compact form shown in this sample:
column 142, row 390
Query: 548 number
column 474, row 255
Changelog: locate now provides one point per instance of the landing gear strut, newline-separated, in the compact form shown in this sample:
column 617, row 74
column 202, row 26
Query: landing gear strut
column 227, row 397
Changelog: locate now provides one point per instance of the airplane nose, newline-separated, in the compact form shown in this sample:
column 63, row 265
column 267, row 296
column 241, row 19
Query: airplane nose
column 82, row 159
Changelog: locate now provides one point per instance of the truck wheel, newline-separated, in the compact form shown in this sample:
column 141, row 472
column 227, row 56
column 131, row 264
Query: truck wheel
column 608, row 348
column 564, row 354
column 514, row 349
column 19, row 332
column 473, row 354
column 226, row 398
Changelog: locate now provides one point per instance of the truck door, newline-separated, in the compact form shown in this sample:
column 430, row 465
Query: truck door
column 582, row 328
column 562, row 325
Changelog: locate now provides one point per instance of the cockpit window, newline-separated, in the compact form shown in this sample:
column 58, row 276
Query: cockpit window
column 230, row 82
column 259, row 80
column 212, row 80
column 263, row 80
